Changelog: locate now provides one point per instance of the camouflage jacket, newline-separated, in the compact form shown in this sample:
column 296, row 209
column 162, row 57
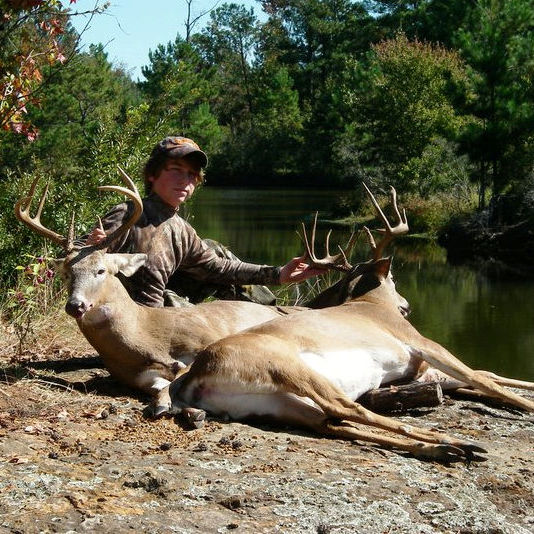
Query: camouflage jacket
column 172, row 244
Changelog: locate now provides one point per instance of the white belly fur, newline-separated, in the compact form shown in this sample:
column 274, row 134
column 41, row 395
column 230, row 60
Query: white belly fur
column 356, row 371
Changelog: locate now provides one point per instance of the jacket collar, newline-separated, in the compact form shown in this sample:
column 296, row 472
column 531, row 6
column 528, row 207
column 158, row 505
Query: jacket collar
column 162, row 206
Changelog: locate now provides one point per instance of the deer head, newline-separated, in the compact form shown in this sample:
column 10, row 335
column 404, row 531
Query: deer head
column 88, row 271
column 373, row 275
column 378, row 270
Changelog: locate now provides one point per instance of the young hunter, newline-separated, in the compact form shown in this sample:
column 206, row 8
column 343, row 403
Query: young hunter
column 177, row 257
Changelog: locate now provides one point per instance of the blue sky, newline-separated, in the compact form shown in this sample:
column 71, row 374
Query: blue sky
column 130, row 28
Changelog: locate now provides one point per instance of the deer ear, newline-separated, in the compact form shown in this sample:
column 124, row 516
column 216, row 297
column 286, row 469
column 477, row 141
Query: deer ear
column 382, row 267
column 126, row 264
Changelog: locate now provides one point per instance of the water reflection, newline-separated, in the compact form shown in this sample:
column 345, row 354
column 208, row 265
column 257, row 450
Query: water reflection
column 259, row 225
column 488, row 324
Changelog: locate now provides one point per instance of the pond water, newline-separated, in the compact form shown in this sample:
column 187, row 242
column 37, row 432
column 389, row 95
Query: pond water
column 488, row 324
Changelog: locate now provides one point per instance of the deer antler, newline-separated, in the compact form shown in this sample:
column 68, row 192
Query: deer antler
column 389, row 232
column 132, row 193
column 22, row 212
column 338, row 262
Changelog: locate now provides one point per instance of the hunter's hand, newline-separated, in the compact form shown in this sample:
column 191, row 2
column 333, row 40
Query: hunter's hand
column 297, row 271
column 96, row 237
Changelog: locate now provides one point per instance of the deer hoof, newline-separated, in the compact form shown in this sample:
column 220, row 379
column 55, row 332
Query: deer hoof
column 193, row 417
column 155, row 411
column 449, row 453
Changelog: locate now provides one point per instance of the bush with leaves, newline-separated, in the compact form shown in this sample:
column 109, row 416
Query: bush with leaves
column 34, row 35
column 401, row 98
column 32, row 296
column 438, row 169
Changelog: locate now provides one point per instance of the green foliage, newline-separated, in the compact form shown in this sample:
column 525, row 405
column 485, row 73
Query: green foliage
column 33, row 294
column 315, row 40
column 429, row 215
column 427, row 20
column 498, row 44
column 402, row 98
column 439, row 168
column 323, row 93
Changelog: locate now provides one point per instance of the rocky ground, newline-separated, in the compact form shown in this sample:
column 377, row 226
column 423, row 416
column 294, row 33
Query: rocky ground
column 78, row 455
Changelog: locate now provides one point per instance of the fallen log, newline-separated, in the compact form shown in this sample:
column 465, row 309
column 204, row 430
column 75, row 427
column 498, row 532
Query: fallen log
column 400, row 398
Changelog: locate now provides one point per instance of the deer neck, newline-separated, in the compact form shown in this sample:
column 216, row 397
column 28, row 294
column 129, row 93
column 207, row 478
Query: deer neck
column 113, row 306
column 382, row 299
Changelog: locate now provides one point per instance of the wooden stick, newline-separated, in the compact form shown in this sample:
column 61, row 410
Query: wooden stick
column 401, row 398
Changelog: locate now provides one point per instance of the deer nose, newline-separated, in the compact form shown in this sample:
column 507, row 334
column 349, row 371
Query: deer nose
column 405, row 310
column 76, row 308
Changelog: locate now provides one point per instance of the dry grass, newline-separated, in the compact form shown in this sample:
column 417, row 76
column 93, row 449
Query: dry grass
column 26, row 393
column 29, row 398
column 53, row 333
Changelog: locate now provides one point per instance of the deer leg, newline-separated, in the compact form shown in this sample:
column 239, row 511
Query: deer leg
column 510, row 382
column 438, row 357
column 440, row 452
column 150, row 381
column 294, row 410
column 447, row 383
column 337, row 405
column 161, row 403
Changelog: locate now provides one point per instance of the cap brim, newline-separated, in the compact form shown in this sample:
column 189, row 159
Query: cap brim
column 181, row 151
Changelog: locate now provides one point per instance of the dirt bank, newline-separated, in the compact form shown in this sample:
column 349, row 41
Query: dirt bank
column 78, row 455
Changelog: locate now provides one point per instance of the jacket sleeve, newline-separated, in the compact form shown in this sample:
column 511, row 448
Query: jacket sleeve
column 202, row 263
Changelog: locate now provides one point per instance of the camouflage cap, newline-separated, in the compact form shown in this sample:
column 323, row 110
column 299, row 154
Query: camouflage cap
column 178, row 147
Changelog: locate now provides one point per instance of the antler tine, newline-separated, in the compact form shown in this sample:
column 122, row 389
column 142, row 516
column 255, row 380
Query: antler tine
column 22, row 212
column 70, row 235
column 338, row 262
column 314, row 229
column 389, row 232
column 350, row 244
column 304, row 238
column 132, row 193
column 327, row 242
column 40, row 207
column 127, row 179
column 370, row 238
column 378, row 209
column 309, row 253
column 400, row 217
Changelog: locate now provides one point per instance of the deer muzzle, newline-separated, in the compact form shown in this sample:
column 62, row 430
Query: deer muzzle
column 77, row 308
column 405, row 309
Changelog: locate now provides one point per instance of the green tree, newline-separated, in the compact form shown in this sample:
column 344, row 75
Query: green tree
column 498, row 44
column 33, row 36
column 162, row 60
column 402, row 97
column 228, row 44
column 313, row 40
column 268, row 151
column 426, row 20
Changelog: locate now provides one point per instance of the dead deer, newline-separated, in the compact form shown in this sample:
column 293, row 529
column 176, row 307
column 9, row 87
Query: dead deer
column 309, row 369
column 142, row 347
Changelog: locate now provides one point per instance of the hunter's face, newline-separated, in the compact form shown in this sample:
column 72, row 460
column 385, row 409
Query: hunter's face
column 176, row 182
